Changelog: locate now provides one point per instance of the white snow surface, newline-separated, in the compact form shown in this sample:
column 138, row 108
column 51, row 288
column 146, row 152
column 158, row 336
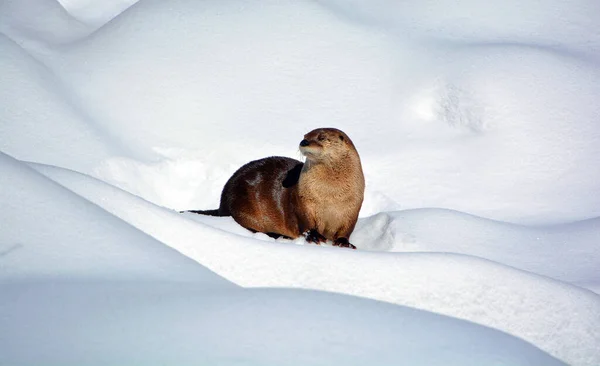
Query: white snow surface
column 477, row 125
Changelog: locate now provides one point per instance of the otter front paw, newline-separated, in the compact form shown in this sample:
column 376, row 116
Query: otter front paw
column 313, row 236
column 344, row 243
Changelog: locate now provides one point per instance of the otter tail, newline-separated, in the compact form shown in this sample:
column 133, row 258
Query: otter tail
column 214, row 212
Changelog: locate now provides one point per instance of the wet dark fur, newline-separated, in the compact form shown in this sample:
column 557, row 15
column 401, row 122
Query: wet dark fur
column 259, row 197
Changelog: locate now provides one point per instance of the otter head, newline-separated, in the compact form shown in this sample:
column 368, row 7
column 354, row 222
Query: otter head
column 325, row 144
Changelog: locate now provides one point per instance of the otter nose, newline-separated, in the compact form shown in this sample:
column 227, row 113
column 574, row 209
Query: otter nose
column 304, row 142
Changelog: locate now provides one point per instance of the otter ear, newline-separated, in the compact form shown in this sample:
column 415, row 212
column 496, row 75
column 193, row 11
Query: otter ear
column 341, row 137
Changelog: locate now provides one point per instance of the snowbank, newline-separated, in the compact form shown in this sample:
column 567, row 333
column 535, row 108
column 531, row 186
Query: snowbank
column 51, row 232
column 563, row 252
column 87, row 288
column 519, row 303
column 158, row 323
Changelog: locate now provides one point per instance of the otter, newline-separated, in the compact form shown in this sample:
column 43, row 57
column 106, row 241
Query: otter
column 283, row 197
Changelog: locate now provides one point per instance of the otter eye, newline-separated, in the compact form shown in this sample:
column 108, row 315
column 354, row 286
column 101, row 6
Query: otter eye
column 321, row 138
column 341, row 137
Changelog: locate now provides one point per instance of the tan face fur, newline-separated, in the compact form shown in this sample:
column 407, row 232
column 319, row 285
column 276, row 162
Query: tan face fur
column 325, row 144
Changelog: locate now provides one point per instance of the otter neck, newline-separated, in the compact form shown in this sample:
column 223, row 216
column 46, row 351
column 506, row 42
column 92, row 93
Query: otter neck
column 350, row 167
column 329, row 161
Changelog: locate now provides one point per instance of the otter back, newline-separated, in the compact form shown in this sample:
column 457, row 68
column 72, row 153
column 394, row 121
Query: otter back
column 258, row 196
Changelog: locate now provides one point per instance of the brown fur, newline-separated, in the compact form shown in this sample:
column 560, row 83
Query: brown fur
column 282, row 197
column 331, row 185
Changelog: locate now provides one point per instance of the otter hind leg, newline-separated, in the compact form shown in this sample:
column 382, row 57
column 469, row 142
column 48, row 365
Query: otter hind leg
column 343, row 243
column 313, row 236
column 277, row 236
column 269, row 234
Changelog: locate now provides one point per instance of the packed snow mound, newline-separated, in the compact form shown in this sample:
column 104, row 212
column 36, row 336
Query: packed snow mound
column 37, row 112
column 516, row 302
column 38, row 24
column 165, row 323
column 102, row 281
column 51, row 232
column 560, row 251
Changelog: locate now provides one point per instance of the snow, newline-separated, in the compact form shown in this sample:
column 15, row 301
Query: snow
column 477, row 129
column 529, row 248
column 161, row 323
column 50, row 232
